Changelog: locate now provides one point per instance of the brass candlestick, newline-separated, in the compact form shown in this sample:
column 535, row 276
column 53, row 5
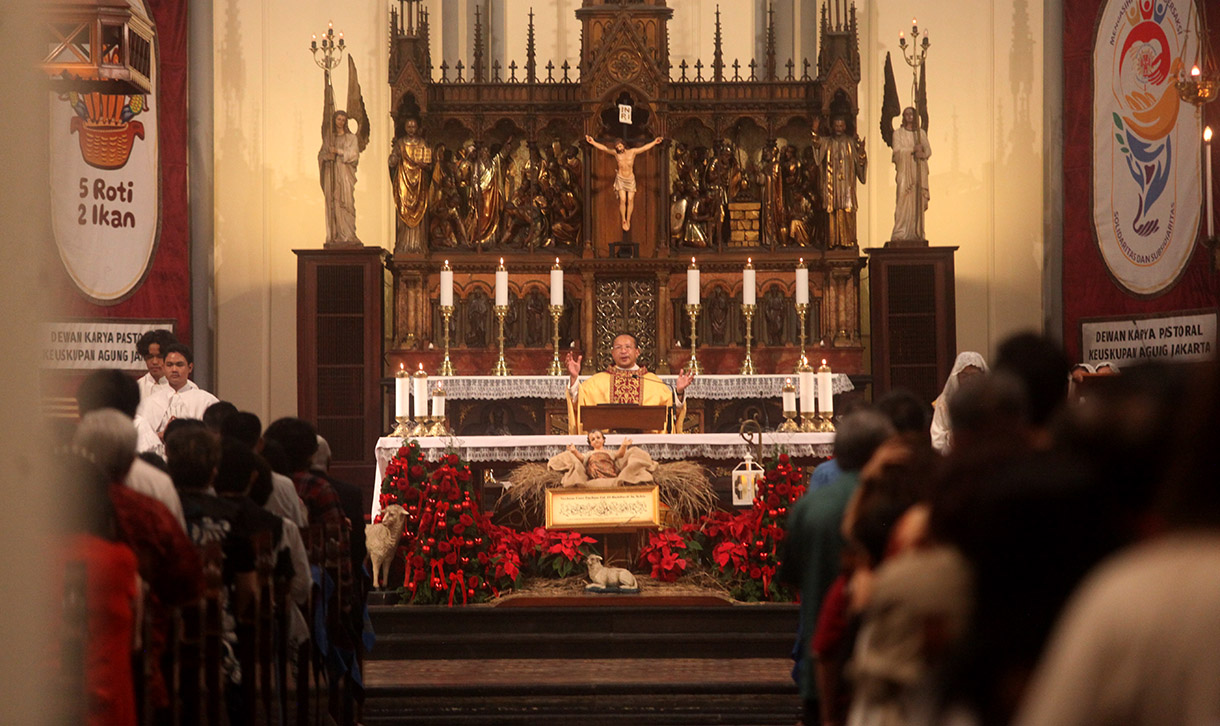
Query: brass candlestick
column 556, row 366
column 747, row 366
column 789, row 425
column 808, row 425
column 421, row 427
column 802, row 309
column 501, row 368
column 446, row 365
column 693, row 366
column 825, row 408
column 402, row 430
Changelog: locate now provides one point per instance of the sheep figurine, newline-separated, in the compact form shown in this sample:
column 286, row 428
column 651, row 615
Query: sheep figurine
column 609, row 579
column 382, row 542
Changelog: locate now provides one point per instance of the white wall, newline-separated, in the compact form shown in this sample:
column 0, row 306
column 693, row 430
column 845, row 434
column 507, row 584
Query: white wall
column 985, row 99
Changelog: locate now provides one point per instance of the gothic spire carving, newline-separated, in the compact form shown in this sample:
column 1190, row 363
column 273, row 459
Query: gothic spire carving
column 531, row 62
column 718, row 55
column 769, row 61
column 476, row 68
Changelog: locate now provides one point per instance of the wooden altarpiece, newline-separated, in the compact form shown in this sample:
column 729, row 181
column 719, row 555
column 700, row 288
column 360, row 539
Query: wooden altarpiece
column 511, row 177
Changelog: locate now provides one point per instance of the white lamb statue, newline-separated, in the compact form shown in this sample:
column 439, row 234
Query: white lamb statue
column 382, row 542
column 609, row 579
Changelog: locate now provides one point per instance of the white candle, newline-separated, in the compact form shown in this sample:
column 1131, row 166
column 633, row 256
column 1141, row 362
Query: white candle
column 447, row 285
column 692, row 283
column 438, row 402
column 802, row 283
column 1207, row 175
column 501, row 285
column 789, row 396
column 402, row 393
column 748, row 284
column 419, row 389
column 806, row 378
column 556, row 285
column 826, row 389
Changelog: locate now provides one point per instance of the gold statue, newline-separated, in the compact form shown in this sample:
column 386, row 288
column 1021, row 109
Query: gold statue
column 410, row 161
column 843, row 160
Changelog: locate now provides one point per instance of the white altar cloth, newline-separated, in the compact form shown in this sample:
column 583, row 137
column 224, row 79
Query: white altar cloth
column 661, row 447
column 708, row 387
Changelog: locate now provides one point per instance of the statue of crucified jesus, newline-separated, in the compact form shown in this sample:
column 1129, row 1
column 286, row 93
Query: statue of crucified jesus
column 624, row 177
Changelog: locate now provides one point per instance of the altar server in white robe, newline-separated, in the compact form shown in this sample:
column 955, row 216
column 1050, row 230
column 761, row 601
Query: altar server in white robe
column 181, row 398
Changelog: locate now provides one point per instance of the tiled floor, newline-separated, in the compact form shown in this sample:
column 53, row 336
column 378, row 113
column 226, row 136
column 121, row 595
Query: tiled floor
column 767, row 672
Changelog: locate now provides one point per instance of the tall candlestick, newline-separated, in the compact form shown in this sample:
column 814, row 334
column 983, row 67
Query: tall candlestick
column 556, row 285
column 501, row 366
column 1207, row 176
column 446, row 316
column 402, row 393
column 692, row 283
column 556, row 368
column 501, row 285
column 748, row 284
column 447, row 285
column 419, row 390
column 802, row 283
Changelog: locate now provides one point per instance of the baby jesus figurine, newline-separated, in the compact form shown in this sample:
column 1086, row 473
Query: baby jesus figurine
column 602, row 467
column 600, row 463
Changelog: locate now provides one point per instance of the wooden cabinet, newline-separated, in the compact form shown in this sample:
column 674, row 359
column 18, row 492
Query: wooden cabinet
column 341, row 297
column 914, row 321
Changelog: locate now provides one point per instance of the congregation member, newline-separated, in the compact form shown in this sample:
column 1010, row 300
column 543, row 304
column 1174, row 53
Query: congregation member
column 167, row 560
column 281, row 495
column 151, row 348
column 193, row 455
column 299, row 440
column 813, row 546
column 180, row 398
column 625, row 382
column 109, row 388
column 98, row 580
column 967, row 365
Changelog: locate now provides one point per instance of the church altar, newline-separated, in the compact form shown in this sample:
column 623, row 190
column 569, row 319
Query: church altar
column 713, row 387
column 661, row 447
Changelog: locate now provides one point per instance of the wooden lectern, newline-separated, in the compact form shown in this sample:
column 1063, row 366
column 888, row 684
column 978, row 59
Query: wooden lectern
column 624, row 418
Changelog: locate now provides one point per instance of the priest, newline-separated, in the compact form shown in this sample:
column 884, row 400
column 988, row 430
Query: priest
column 624, row 382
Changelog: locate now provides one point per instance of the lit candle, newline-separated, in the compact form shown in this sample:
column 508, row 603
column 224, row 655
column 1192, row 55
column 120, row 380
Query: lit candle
column 914, row 26
column 902, row 39
column 419, row 389
column 501, row 285
column 313, row 41
column 402, row 393
column 789, row 396
column 1207, row 176
column 805, row 375
column 438, row 402
column 748, row 284
column 692, row 283
column 802, row 283
column 447, row 285
column 826, row 389
column 1194, row 72
column 556, row 285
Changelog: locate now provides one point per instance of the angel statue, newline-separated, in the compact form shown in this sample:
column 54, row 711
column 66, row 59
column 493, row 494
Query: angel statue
column 911, row 150
column 338, row 157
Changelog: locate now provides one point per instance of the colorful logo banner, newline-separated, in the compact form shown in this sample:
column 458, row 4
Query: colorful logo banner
column 1146, row 144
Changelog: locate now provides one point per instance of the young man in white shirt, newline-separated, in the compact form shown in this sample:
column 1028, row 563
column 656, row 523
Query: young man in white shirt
column 151, row 348
column 180, row 398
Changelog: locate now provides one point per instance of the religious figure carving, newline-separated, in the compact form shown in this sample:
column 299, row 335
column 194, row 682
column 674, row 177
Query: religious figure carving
column 487, row 171
column 624, row 178
column 410, row 166
column 717, row 305
column 338, row 158
column 478, row 314
column 911, row 152
column 774, row 311
column 772, row 184
column 337, row 162
column 843, row 161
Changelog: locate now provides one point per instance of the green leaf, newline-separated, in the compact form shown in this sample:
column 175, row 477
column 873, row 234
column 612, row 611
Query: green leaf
column 1124, row 150
column 1120, row 138
column 1118, row 120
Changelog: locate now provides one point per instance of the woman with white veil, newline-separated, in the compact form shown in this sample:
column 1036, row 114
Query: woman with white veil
column 968, row 364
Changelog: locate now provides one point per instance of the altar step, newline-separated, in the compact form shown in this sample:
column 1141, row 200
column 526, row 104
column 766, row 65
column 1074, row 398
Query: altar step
column 638, row 664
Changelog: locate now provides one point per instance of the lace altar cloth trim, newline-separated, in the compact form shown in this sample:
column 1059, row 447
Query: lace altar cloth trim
column 661, row 447
column 707, row 387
